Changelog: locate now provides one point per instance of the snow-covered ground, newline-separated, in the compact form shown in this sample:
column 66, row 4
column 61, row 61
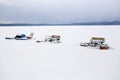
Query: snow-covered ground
column 28, row 60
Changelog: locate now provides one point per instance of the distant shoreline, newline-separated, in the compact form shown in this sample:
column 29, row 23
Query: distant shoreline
column 69, row 24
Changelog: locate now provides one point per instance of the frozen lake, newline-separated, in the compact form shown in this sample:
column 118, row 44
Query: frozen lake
column 28, row 60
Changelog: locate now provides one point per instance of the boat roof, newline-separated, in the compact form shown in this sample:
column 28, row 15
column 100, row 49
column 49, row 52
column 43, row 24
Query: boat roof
column 98, row 38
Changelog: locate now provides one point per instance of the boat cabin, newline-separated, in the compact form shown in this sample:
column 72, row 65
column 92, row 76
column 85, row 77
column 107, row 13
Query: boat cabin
column 97, row 40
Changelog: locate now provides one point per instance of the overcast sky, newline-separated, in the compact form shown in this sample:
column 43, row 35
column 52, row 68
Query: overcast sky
column 58, row 11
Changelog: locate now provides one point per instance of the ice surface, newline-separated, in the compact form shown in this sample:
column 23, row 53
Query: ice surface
column 28, row 60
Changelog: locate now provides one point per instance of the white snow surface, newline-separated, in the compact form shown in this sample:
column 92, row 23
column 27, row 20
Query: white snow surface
column 28, row 60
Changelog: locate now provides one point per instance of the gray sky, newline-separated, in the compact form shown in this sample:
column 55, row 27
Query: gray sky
column 58, row 11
